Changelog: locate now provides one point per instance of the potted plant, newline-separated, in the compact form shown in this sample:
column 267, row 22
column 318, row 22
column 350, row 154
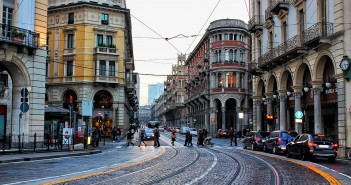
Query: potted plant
column 17, row 36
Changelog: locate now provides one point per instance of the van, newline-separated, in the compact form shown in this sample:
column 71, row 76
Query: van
column 184, row 129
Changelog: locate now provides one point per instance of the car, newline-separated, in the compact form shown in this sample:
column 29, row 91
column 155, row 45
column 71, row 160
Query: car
column 183, row 130
column 149, row 134
column 223, row 133
column 311, row 146
column 255, row 139
column 277, row 141
column 193, row 131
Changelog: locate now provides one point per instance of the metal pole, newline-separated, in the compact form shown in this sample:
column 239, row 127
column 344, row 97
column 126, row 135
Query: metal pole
column 19, row 132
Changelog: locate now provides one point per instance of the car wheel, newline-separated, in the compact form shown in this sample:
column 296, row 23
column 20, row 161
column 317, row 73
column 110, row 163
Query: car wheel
column 264, row 148
column 287, row 154
column 331, row 159
column 253, row 147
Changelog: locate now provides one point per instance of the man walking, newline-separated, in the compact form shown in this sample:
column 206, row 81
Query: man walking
column 142, row 138
column 157, row 136
column 188, row 138
column 235, row 137
column 231, row 136
column 129, row 138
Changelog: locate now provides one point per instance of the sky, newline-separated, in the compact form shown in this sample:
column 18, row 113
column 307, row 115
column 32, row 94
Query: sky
column 183, row 22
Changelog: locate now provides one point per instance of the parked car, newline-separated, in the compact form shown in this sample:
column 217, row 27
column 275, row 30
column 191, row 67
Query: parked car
column 223, row 133
column 149, row 134
column 183, row 130
column 193, row 131
column 311, row 146
column 277, row 141
column 255, row 139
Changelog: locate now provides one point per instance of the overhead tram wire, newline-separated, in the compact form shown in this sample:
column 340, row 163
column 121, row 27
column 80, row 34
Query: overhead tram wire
column 203, row 26
column 156, row 33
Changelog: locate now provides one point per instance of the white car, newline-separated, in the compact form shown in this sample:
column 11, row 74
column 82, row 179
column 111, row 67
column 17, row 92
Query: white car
column 193, row 131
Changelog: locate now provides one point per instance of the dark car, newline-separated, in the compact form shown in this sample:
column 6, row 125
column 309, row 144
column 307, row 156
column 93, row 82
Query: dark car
column 277, row 141
column 223, row 133
column 311, row 146
column 255, row 139
column 149, row 134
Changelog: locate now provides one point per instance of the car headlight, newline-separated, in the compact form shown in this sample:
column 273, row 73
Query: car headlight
column 152, row 135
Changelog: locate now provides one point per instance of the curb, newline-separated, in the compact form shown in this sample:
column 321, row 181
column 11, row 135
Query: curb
column 50, row 157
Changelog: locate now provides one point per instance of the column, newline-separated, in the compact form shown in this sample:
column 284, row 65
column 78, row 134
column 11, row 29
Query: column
column 114, row 114
column 223, row 117
column 282, row 121
column 318, row 125
column 224, row 82
column 270, row 126
column 259, row 115
column 298, row 126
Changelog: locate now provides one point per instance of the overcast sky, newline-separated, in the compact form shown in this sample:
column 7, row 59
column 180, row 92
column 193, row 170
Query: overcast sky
column 178, row 20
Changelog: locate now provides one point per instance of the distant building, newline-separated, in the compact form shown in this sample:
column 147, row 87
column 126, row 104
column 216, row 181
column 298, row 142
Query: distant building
column 144, row 113
column 154, row 92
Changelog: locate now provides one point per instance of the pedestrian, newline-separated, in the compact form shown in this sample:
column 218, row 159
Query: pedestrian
column 200, row 140
column 114, row 133
column 231, row 136
column 157, row 136
column 129, row 138
column 173, row 136
column 118, row 135
column 235, row 137
column 189, row 138
column 95, row 138
column 142, row 138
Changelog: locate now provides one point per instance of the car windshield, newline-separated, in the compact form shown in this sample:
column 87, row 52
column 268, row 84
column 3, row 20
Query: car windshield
column 149, row 131
column 289, row 134
column 262, row 134
column 192, row 129
column 322, row 138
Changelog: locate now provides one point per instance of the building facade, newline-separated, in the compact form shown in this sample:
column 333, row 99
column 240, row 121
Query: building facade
column 91, row 59
column 297, row 49
column 22, row 66
column 144, row 114
column 154, row 92
column 218, row 83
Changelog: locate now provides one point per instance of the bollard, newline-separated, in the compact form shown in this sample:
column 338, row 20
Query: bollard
column 35, row 141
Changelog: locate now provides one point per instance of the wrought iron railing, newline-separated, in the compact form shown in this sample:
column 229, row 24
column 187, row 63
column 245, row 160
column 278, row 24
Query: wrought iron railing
column 321, row 29
column 20, row 36
column 255, row 20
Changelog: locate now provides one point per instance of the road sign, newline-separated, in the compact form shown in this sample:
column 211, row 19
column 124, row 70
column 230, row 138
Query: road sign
column 298, row 120
column 241, row 115
column 24, row 92
column 24, row 107
column 298, row 114
column 87, row 108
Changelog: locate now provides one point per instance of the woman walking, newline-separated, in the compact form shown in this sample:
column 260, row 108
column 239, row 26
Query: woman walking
column 173, row 136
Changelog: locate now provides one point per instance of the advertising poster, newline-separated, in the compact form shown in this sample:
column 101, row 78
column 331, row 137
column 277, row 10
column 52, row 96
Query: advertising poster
column 67, row 136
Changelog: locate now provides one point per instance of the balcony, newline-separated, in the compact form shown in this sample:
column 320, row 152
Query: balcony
column 69, row 51
column 254, row 69
column 105, row 79
column 268, row 14
column 228, row 90
column 318, row 34
column 129, row 64
column 106, row 51
column 256, row 23
column 130, row 86
column 18, row 36
column 283, row 53
column 278, row 5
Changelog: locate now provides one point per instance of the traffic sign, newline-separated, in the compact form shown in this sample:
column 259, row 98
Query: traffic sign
column 298, row 114
column 24, row 92
column 24, row 107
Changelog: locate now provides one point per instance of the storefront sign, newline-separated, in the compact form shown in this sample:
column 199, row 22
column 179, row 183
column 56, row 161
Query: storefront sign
column 330, row 91
column 298, row 120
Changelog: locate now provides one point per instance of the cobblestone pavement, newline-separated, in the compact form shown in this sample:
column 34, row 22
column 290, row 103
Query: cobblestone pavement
column 168, row 164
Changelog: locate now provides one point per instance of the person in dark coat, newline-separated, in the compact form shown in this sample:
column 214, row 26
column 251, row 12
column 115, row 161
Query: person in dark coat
column 200, row 140
column 231, row 136
column 129, row 138
column 114, row 133
column 142, row 138
column 157, row 136
column 188, row 138
column 235, row 137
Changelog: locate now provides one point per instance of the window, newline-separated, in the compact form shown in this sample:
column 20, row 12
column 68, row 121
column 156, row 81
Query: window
column 102, row 68
column 109, row 41
column 112, row 68
column 47, row 69
column 235, row 54
column 231, row 55
column 71, row 18
column 259, row 48
column 7, row 20
column 70, row 40
column 270, row 40
column 219, row 79
column 100, row 40
column 69, row 68
column 226, row 36
column 231, row 36
column 284, row 31
column 104, row 18
column 302, row 21
column 219, row 37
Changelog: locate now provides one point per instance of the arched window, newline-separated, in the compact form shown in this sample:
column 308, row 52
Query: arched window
column 226, row 55
column 241, row 56
column 226, row 36
column 235, row 55
column 231, row 55
column 220, row 56
column 231, row 36
column 220, row 80
column 235, row 37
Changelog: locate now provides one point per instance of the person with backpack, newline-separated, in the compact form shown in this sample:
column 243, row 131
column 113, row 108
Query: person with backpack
column 129, row 138
column 142, row 138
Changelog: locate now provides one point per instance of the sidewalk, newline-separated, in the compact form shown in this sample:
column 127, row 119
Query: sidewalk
column 42, row 153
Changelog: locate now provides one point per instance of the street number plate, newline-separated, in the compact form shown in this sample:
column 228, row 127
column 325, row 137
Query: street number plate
column 323, row 146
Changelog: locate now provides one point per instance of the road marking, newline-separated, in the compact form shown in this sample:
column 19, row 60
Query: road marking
column 207, row 171
column 117, row 147
column 345, row 175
